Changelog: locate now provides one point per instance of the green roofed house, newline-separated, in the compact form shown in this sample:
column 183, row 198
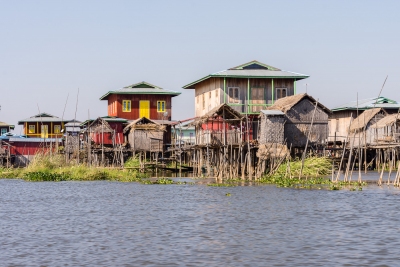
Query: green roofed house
column 140, row 100
column 341, row 117
column 247, row 88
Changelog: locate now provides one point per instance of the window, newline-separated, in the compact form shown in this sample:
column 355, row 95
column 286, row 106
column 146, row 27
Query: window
column 204, row 101
column 216, row 93
column 234, row 96
column 3, row 131
column 57, row 129
column 209, row 95
column 280, row 93
column 337, row 125
column 31, row 129
column 160, row 106
column 126, row 106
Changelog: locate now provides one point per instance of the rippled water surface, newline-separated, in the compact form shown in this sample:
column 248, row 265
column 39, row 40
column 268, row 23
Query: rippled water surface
column 131, row 224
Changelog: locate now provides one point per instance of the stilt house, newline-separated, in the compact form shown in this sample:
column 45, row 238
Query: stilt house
column 299, row 114
column 140, row 100
column 73, row 127
column 361, row 132
column 220, row 126
column 339, row 119
column 106, row 130
column 387, row 130
column 43, row 125
column 145, row 135
column 247, row 88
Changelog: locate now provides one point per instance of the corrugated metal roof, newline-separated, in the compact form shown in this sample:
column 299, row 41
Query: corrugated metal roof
column 368, row 103
column 5, row 124
column 272, row 112
column 264, row 71
column 42, row 117
column 106, row 118
column 73, row 129
column 141, row 88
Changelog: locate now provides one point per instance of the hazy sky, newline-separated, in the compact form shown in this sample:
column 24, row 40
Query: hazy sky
column 51, row 48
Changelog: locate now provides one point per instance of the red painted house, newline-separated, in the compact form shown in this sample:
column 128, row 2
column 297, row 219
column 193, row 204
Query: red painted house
column 24, row 149
column 140, row 100
column 106, row 130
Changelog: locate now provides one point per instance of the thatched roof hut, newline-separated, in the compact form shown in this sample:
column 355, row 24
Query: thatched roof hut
column 146, row 135
column 222, row 111
column 361, row 131
column 106, row 130
column 299, row 113
column 144, row 124
column 389, row 120
column 287, row 103
column 218, row 126
column 363, row 119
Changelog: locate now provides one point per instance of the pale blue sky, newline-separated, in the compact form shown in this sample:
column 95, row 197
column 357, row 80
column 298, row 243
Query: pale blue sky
column 51, row 48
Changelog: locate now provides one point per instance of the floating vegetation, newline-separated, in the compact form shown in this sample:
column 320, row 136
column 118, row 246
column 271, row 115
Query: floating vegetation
column 313, row 176
column 164, row 181
column 221, row 184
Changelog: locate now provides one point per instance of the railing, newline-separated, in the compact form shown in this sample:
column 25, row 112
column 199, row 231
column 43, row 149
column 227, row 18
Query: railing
column 251, row 108
column 230, row 137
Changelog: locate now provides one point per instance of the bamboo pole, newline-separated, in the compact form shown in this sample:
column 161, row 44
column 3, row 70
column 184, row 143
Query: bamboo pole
column 308, row 138
column 344, row 148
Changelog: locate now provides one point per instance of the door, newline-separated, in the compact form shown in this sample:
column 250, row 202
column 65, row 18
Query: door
column 257, row 97
column 44, row 131
column 144, row 109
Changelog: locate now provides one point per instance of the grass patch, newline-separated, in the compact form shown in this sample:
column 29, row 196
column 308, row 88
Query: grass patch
column 313, row 176
column 44, row 167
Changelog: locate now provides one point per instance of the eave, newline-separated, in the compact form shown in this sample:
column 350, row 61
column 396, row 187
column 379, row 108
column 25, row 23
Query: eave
column 105, row 96
column 189, row 86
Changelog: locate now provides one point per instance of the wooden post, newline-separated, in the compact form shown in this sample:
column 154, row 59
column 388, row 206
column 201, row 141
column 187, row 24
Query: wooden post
column 308, row 137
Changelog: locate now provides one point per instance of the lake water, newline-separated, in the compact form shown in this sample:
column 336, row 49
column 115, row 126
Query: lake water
column 131, row 224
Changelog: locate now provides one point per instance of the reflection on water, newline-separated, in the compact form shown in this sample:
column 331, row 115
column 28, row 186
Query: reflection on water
column 131, row 224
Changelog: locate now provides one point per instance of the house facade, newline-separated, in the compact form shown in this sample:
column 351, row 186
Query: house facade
column 5, row 128
column 247, row 88
column 140, row 100
column 43, row 125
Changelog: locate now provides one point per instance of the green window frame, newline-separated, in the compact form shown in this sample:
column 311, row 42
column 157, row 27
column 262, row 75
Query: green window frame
column 234, row 95
column 160, row 106
column 126, row 106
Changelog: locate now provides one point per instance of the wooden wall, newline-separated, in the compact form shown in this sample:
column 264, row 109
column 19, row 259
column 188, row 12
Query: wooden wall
column 271, row 129
column 212, row 85
column 38, row 128
column 144, row 140
column 212, row 92
column 298, row 123
column 115, row 106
